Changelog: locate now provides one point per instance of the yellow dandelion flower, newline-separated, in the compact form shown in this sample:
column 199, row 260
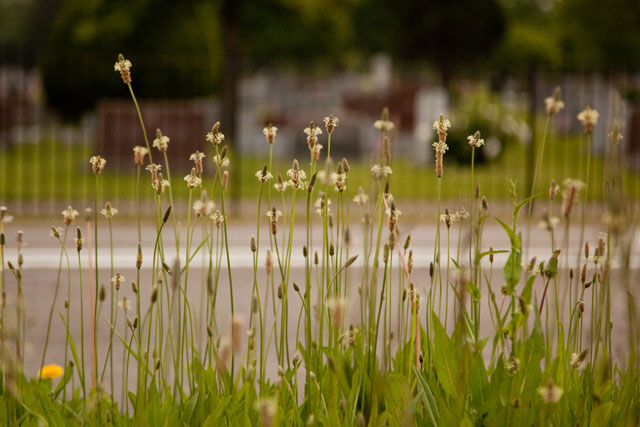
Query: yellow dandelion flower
column 50, row 372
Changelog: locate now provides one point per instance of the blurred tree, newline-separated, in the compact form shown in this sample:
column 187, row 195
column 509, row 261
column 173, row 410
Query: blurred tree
column 599, row 35
column 530, row 46
column 309, row 35
column 453, row 36
column 531, row 39
column 23, row 27
column 174, row 46
column 178, row 48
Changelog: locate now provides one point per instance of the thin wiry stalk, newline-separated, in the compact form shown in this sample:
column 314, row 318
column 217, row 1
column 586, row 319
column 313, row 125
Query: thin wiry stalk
column 55, row 296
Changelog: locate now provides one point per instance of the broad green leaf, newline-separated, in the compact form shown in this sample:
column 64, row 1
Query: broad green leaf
column 531, row 354
column 601, row 414
column 513, row 270
column 444, row 352
column 513, row 237
column 427, row 398
column 528, row 287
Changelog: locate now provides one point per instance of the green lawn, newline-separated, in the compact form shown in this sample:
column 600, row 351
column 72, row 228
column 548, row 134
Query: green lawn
column 55, row 171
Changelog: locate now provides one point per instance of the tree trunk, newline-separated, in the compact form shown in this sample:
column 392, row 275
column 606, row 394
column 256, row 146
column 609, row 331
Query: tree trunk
column 229, row 105
column 530, row 152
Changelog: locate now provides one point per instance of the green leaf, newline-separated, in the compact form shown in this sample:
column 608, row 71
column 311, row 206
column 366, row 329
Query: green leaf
column 528, row 287
column 478, row 381
column 513, row 237
column 455, row 263
column 427, row 398
column 601, row 414
column 444, row 351
column 74, row 352
column 68, row 373
column 516, row 208
column 513, row 270
column 531, row 354
column 473, row 291
column 485, row 253
column 50, row 412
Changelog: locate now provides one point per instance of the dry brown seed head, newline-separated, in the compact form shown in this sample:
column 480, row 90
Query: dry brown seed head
column 225, row 179
column 237, row 328
column 386, row 150
column 586, row 250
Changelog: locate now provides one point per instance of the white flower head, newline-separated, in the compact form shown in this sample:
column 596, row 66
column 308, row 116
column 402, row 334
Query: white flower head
column 138, row 154
column 270, row 133
column 336, row 307
column 159, row 184
column 440, row 126
column 124, row 304
column 123, row 66
column 331, row 122
column 197, row 156
column 220, row 161
column 161, row 142
column 109, row 212
column 339, row 180
column 199, row 208
column 281, row 186
column 263, row 175
column 553, row 104
column 274, row 214
column 296, row 176
column 577, row 361
column 197, row 160
column 550, row 393
column 69, row 214
column 549, row 223
column 312, row 130
column 118, row 279
column 573, row 183
column 97, row 164
column 210, row 208
column 462, row 214
column 3, row 215
column 475, row 140
column 55, row 232
column 312, row 135
column 217, row 218
column 440, row 147
column 392, row 216
column 448, row 218
column 589, row 118
column 192, row 179
column 614, row 134
column 361, row 198
column 323, row 203
column 379, row 172
column 215, row 136
column 384, row 125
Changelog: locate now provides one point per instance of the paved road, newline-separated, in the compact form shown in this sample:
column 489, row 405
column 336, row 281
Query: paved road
column 41, row 257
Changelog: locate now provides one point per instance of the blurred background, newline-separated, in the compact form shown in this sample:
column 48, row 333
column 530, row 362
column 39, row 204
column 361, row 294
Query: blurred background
column 487, row 65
